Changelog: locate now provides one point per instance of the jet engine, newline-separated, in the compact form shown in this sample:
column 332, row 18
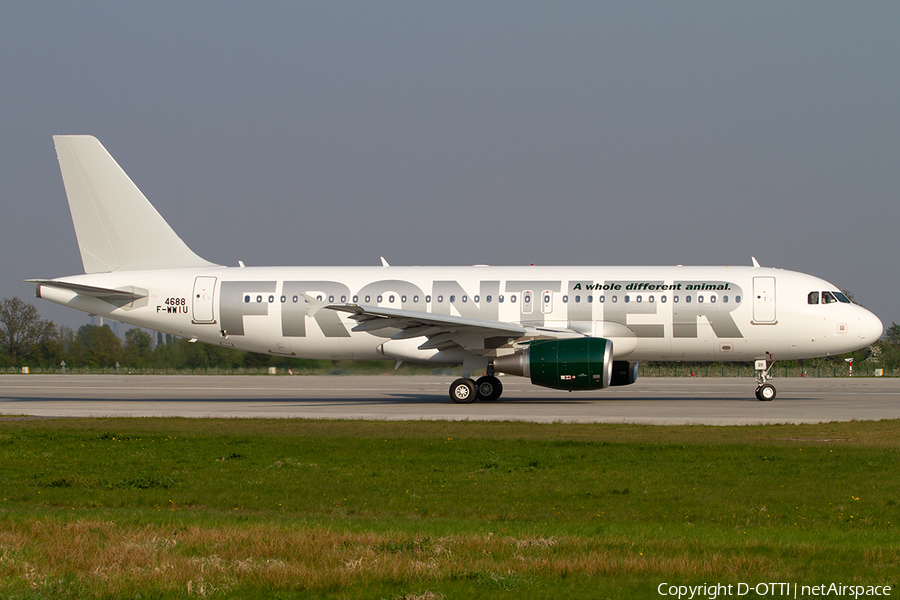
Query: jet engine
column 571, row 364
column 624, row 372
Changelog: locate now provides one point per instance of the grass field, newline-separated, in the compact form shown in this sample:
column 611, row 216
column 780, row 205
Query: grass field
column 178, row 508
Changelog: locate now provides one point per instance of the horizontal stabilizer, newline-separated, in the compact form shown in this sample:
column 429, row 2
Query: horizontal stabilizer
column 128, row 292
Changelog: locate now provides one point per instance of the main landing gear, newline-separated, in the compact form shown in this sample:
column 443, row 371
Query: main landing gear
column 764, row 391
column 487, row 388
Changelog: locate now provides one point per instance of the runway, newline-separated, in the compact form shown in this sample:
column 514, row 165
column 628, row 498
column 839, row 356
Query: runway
column 662, row 401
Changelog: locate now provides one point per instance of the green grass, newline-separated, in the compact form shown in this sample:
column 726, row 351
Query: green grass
column 173, row 508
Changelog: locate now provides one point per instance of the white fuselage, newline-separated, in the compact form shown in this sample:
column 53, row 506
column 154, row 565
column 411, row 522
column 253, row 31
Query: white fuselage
column 649, row 313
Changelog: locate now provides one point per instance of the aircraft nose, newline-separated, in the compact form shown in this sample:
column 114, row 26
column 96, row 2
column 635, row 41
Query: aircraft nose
column 870, row 327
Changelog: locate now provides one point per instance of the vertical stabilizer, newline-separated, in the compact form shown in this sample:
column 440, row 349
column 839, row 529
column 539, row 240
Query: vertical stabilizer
column 116, row 226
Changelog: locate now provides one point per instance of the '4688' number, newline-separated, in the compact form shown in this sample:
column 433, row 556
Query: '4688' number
column 174, row 306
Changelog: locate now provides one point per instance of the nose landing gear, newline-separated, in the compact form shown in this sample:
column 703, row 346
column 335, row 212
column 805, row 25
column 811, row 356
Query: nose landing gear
column 764, row 391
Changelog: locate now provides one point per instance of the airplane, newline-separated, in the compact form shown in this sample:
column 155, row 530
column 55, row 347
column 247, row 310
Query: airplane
column 563, row 327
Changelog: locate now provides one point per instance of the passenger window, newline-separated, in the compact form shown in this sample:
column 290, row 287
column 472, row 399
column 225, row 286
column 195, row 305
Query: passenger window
column 650, row 299
column 662, row 299
column 812, row 298
column 590, row 298
column 246, row 298
column 577, row 299
column 500, row 298
column 488, row 298
column 737, row 299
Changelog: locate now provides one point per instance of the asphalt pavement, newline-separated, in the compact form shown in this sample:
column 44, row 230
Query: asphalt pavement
column 683, row 400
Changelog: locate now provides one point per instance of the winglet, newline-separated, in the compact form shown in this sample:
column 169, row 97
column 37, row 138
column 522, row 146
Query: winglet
column 384, row 263
column 116, row 226
column 755, row 262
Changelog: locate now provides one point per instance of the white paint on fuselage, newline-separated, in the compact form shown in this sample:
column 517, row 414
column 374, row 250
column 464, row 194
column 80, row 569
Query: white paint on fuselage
column 799, row 329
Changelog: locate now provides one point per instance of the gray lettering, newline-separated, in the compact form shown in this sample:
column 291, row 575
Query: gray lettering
column 293, row 314
column 618, row 311
column 233, row 308
column 580, row 314
column 684, row 322
column 443, row 291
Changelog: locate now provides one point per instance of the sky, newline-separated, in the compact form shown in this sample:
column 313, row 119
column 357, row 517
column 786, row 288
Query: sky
column 444, row 133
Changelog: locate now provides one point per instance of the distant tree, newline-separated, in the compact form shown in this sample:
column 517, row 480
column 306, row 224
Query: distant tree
column 66, row 344
column 99, row 346
column 892, row 335
column 22, row 330
column 137, row 351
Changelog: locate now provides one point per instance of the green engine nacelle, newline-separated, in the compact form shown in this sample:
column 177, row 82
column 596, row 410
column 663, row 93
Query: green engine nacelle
column 573, row 364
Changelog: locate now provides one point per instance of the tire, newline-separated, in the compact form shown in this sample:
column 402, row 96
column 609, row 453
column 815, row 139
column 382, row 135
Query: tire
column 462, row 391
column 765, row 393
column 488, row 388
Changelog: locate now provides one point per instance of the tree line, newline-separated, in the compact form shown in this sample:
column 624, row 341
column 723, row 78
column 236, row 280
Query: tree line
column 28, row 340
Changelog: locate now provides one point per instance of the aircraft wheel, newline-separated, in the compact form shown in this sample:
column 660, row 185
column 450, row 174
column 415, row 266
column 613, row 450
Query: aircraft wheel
column 765, row 392
column 462, row 391
column 488, row 388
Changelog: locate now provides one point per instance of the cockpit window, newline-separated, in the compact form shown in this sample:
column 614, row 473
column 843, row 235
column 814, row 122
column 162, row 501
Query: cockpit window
column 842, row 298
column 828, row 298
column 813, row 298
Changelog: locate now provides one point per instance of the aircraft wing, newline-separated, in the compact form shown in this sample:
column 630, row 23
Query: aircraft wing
column 479, row 336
